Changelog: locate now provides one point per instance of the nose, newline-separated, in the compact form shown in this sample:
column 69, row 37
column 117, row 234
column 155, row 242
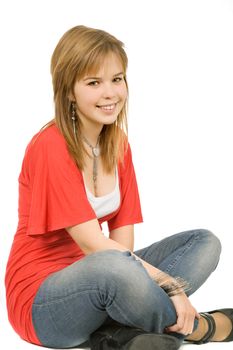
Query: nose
column 108, row 90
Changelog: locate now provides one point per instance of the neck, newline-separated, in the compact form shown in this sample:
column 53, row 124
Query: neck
column 92, row 134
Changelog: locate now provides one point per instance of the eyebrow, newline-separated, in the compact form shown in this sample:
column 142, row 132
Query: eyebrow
column 97, row 78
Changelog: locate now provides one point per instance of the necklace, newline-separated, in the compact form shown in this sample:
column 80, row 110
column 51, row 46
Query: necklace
column 95, row 152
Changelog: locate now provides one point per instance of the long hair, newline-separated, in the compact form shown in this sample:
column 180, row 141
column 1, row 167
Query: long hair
column 82, row 50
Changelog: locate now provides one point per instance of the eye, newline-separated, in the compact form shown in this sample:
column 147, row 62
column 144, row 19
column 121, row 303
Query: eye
column 118, row 79
column 93, row 83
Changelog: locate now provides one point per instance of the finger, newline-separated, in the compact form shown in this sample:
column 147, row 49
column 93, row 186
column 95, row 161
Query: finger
column 189, row 322
column 188, row 327
column 184, row 325
column 173, row 329
column 177, row 326
column 191, row 325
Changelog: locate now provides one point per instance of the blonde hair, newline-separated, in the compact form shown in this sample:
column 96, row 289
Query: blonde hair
column 81, row 50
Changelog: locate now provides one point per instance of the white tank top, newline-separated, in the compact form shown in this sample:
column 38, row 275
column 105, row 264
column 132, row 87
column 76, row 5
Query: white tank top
column 106, row 204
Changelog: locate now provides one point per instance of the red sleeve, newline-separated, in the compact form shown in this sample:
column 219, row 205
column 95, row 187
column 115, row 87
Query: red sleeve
column 57, row 197
column 130, row 209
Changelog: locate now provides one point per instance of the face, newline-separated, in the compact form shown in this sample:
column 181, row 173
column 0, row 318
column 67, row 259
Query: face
column 101, row 97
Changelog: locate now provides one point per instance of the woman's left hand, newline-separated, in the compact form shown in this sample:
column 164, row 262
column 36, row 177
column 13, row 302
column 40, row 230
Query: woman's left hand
column 186, row 315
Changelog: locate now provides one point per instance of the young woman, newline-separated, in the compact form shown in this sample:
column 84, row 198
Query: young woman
column 66, row 282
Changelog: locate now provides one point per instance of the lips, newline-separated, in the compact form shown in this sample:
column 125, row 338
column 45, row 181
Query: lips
column 108, row 107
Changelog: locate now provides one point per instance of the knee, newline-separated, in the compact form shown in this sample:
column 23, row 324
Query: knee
column 111, row 264
column 212, row 240
column 212, row 244
column 123, row 266
column 116, row 270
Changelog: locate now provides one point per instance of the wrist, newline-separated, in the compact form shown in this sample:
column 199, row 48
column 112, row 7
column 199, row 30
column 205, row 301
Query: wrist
column 171, row 285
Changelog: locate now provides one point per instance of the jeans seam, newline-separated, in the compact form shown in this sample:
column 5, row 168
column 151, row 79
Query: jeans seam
column 124, row 316
column 67, row 297
column 196, row 236
column 58, row 329
column 188, row 245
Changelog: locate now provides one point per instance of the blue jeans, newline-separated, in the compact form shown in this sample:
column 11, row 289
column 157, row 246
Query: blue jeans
column 74, row 302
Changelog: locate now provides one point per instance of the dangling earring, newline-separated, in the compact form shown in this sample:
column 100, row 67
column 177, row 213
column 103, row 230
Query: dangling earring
column 74, row 117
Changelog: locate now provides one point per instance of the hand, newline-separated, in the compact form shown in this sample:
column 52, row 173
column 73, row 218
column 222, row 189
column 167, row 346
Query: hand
column 186, row 315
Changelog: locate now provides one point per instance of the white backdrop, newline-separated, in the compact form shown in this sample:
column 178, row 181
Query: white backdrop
column 181, row 90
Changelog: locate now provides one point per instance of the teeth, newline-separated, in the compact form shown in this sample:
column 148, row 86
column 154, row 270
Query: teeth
column 108, row 108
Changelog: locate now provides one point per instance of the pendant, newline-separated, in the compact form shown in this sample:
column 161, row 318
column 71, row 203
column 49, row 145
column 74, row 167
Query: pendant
column 96, row 151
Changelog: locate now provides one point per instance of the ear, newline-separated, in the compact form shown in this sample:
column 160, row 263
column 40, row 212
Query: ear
column 71, row 97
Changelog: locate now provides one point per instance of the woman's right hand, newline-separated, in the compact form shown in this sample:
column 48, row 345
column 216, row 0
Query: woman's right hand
column 186, row 315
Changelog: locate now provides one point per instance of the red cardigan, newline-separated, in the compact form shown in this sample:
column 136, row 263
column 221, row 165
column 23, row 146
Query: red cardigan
column 51, row 197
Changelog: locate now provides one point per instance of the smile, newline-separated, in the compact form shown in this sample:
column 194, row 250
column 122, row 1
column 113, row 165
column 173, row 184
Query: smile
column 108, row 107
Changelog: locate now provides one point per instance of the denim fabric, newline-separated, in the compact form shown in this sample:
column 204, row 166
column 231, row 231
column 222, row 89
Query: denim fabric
column 74, row 302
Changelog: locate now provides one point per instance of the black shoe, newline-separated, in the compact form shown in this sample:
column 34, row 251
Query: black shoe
column 229, row 314
column 212, row 326
column 119, row 337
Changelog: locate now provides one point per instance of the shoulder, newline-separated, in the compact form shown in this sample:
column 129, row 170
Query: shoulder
column 47, row 141
column 49, row 136
column 127, row 153
column 126, row 162
column 48, row 151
